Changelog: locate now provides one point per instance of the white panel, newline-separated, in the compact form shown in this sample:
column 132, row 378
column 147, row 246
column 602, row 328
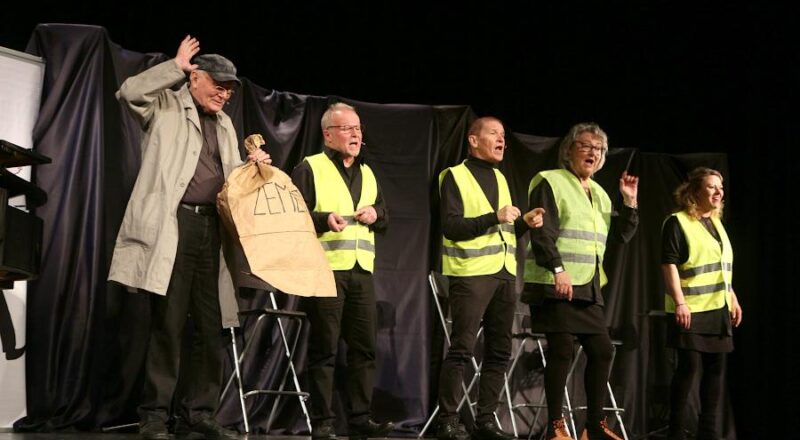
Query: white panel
column 21, row 78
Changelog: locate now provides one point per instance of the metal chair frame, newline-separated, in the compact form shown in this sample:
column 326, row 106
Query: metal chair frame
column 302, row 396
column 467, row 389
column 568, row 410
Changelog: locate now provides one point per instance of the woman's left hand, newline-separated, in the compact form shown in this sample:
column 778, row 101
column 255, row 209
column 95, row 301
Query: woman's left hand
column 534, row 218
column 629, row 187
column 736, row 313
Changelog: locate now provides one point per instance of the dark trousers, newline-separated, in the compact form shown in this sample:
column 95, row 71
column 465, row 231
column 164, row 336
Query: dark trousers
column 351, row 316
column 192, row 290
column 474, row 300
column 560, row 349
column 709, row 368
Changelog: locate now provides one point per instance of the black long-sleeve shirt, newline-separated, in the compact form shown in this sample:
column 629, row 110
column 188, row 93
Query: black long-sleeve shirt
column 543, row 240
column 455, row 226
column 303, row 178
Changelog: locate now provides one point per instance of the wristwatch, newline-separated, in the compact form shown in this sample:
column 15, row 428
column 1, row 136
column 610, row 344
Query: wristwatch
column 558, row 269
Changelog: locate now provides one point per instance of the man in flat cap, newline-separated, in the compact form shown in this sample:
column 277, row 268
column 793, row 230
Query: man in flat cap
column 170, row 239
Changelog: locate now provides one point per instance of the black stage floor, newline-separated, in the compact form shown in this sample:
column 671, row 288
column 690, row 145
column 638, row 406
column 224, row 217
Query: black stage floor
column 134, row 436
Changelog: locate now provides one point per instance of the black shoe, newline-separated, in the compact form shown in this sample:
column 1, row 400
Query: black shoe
column 323, row 432
column 489, row 431
column 451, row 430
column 208, row 427
column 370, row 429
column 153, row 430
column 677, row 434
column 181, row 428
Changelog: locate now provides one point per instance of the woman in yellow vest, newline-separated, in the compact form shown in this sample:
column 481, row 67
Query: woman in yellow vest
column 564, row 271
column 697, row 262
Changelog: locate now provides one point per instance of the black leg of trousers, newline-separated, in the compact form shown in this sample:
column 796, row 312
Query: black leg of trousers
column 204, row 371
column 359, row 324
column 351, row 315
column 711, row 395
column 497, row 322
column 683, row 383
column 598, row 350
column 192, row 289
column 560, row 349
column 473, row 299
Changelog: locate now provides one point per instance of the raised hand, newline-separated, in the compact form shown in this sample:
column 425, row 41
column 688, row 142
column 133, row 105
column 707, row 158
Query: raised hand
column 188, row 48
column 629, row 187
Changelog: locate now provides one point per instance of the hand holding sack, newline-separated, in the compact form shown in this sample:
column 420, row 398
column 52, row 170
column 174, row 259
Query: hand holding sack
column 261, row 207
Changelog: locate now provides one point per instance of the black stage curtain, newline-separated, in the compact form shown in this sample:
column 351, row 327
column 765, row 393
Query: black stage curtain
column 87, row 338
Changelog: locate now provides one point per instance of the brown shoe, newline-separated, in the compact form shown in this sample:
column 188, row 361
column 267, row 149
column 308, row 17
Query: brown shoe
column 602, row 432
column 558, row 430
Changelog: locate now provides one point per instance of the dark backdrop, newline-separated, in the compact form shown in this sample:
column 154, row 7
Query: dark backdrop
column 658, row 77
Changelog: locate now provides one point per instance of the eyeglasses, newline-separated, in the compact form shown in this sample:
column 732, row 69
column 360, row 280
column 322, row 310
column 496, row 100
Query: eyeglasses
column 347, row 128
column 224, row 91
column 584, row 147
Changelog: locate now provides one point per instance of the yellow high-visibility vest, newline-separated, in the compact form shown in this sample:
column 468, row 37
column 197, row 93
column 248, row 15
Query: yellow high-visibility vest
column 584, row 226
column 489, row 252
column 356, row 242
column 707, row 275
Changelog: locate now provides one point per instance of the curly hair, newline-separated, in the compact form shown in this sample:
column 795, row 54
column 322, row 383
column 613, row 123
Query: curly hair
column 686, row 194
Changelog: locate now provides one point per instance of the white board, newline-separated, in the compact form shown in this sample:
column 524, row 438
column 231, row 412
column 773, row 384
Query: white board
column 21, row 77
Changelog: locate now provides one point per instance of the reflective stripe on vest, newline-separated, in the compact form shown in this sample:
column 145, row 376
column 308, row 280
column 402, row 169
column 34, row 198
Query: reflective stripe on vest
column 489, row 252
column 356, row 242
column 584, row 227
column 707, row 273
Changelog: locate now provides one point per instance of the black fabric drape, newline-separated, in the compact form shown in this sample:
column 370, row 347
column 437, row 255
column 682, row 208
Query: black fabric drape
column 87, row 339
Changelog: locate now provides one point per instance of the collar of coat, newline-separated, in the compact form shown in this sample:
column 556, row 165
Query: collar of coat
column 192, row 112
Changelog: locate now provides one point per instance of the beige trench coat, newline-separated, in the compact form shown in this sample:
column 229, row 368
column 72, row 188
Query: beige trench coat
column 145, row 249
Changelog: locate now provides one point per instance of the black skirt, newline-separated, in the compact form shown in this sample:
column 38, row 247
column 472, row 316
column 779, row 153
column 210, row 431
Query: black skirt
column 562, row 316
column 710, row 332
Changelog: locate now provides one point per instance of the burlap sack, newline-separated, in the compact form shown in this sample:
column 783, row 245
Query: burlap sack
column 260, row 205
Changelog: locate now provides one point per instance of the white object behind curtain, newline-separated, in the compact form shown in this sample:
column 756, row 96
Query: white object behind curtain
column 21, row 78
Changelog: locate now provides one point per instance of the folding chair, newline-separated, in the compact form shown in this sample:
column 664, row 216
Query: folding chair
column 523, row 337
column 440, row 287
column 298, row 318
column 615, row 408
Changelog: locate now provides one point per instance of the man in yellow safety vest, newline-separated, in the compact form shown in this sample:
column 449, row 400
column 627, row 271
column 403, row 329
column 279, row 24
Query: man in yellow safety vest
column 346, row 206
column 478, row 256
